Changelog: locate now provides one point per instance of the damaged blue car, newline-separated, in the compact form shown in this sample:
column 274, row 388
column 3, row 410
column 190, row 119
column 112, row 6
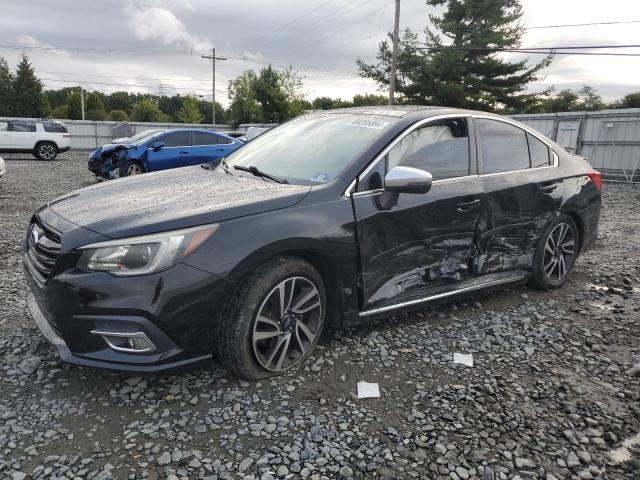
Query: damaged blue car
column 154, row 150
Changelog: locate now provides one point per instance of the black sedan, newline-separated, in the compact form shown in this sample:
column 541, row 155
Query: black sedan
column 328, row 220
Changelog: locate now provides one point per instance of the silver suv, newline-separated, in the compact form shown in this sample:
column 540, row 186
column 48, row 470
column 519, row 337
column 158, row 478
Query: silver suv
column 43, row 138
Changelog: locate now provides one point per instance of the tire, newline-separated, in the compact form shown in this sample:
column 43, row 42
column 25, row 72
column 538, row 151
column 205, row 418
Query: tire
column 130, row 168
column 47, row 151
column 553, row 263
column 254, row 339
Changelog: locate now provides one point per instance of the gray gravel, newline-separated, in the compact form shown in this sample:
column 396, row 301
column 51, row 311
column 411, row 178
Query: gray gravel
column 554, row 392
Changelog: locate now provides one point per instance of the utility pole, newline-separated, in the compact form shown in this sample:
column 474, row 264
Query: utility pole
column 213, row 59
column 394, row 60
column 82, row 101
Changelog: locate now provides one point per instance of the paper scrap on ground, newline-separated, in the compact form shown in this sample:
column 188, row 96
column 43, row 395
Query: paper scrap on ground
column 463, row 358
column 368, row 390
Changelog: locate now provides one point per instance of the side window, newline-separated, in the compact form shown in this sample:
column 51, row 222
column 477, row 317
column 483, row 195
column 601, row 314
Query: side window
column 504, row 146
column 21, row 126
column 223, row 140
column 175, row 139
column 4, row 126
column 540, row 155
column 442, row 150
column 54, row 127
column 203, row 138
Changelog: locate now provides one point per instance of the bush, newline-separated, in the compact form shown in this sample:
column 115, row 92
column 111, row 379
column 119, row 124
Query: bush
column 61, row 112
column 99, row 115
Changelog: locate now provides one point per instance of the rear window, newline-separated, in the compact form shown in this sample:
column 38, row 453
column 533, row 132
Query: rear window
column 55, row 127
column 175, row 139
column 21, row 126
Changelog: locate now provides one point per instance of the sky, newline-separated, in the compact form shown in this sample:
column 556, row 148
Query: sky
column 321, row 38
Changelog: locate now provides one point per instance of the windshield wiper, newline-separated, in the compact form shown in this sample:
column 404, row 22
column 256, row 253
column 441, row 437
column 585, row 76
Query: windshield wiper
column 259, row 173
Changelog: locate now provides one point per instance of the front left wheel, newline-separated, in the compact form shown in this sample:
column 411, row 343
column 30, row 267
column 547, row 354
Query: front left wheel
column 46, row 151
column 274, row 321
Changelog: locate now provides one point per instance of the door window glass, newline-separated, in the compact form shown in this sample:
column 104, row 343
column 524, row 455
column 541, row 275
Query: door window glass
column 22, row 126
column 175, row 139
column 504, row 146
column 54, row 127
column 204, row 138
column 442, row 150
column 223, row 140
column 4, row 126
column 540, row 155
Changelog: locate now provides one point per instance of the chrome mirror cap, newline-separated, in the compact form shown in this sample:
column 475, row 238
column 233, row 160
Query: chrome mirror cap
column 407, row 180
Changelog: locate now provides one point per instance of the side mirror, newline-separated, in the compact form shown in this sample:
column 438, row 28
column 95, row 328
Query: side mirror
column 407, row 180
column 157, row 146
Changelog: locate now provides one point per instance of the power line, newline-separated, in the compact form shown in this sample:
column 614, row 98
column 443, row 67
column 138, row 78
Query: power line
column 132, row 86
column 98, row 50
column 582, row 24
column 124, row 78
column 295, row 20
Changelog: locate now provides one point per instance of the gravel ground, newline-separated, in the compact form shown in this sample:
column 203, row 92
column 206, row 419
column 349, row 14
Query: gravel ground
column 554, row 391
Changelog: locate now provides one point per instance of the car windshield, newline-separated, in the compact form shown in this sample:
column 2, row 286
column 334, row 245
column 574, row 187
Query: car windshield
column 141, row 137
column 312, row 149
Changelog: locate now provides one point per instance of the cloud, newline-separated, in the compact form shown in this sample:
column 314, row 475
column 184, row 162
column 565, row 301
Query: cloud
column 160, row 24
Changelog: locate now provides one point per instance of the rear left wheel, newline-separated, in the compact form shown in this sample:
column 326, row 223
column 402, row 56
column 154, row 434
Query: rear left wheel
column 275, row 320
column 46, row 151
column 555, row 254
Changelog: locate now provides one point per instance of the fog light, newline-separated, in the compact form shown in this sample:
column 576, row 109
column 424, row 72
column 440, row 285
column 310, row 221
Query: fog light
column 126, row 342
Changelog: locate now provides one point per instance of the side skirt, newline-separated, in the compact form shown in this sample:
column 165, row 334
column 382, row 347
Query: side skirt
column 486, row 281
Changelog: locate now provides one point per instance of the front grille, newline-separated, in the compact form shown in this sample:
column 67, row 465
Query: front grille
column 42, row 251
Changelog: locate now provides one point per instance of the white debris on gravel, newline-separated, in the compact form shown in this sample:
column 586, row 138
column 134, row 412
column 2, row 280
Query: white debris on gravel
column 368, row 390
column 463, row 359
column 555, row 392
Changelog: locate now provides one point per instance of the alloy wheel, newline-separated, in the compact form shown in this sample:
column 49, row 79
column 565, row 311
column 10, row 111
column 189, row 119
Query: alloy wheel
column 134, row 169
column 559, row 252
column 286, row 324
column 47, row 152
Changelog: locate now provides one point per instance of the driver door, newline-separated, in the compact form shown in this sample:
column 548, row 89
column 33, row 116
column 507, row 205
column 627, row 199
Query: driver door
column 412, row 246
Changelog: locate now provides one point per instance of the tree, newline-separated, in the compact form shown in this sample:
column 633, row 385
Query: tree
column 118, row 115
column 60, row 112
column 460, row 66
column 272, row 96
column 189, row 113
column 118, row 101
column 6, row 89
column 29, row 100
column 204, row 107
column 631, row 100
column 74, row 106
column 147, row 111
column 591, row 101
column 244, row 107
column 369, row 99
column 94, row 106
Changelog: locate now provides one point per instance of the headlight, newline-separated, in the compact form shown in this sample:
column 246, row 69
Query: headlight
column 145, row 254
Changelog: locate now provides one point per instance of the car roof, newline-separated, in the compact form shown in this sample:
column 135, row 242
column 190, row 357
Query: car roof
column 403, row 111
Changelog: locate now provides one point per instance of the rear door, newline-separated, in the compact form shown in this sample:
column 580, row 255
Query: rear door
column 207, row 146
column 522, row 192
column 414, row 245
column 175, row 153
column 22, row 134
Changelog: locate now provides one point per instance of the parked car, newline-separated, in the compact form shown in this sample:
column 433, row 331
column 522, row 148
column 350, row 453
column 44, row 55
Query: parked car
column 328, row 220
column 42, row 138
column 3, row 168
column 154, row 150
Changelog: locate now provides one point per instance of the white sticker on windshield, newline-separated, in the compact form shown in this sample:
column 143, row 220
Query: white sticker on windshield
column 368, row 123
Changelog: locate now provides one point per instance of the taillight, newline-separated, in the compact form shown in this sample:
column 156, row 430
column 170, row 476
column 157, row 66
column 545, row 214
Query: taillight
column 596, row 178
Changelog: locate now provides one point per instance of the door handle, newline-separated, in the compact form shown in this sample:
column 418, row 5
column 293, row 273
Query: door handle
column 468, row 206
column 548, row 188
column 184, row 153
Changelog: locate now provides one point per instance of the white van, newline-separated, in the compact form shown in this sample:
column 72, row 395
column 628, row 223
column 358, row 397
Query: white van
column 43, row 138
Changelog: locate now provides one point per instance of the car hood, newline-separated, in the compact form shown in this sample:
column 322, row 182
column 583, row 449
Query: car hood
column 171, row 199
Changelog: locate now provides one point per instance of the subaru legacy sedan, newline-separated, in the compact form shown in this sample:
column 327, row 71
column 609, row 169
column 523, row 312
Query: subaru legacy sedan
column 326, row 221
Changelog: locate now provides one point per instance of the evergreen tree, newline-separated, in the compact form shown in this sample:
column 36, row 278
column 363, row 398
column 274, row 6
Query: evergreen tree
column 29, row 100
column 189, row 113
column 459, row 65
column 6, row 89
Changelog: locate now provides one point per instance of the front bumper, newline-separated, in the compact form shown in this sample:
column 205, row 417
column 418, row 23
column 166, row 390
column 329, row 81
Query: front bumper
column 45, row 326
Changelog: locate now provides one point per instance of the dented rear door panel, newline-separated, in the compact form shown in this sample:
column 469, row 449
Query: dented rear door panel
column 519, row 205
column 411, row 244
